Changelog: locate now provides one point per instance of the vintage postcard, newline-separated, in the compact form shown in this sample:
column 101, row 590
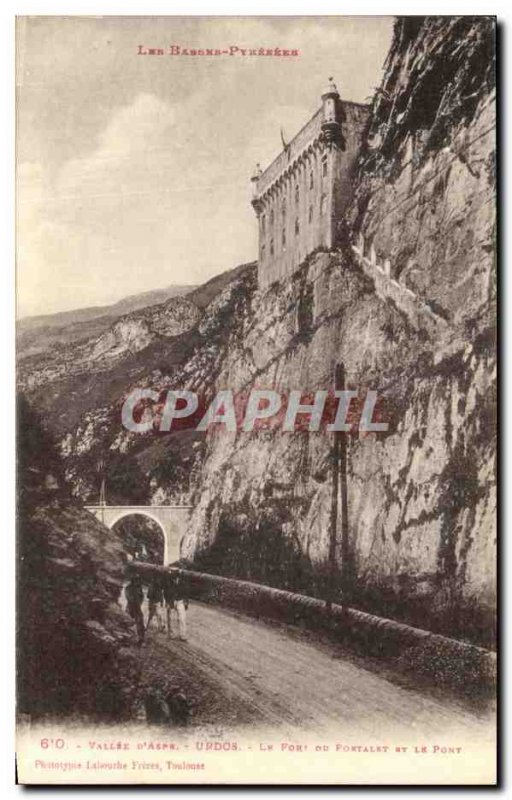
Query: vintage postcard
column 256, row 370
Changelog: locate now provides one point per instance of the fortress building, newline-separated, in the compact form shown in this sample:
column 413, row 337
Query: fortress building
column 301, row 197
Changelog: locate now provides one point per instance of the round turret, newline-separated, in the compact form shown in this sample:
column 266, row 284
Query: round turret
column 330, row 90
column 331, row 124
column 256, row 175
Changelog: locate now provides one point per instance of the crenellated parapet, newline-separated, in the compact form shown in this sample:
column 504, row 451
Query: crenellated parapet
column 308, row 138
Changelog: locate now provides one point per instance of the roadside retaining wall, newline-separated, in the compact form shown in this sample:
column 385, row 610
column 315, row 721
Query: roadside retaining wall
column 457, row 661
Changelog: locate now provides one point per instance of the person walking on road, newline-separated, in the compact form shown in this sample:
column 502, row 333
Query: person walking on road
column 176, row 598
column 155, row 600
column 135, row 596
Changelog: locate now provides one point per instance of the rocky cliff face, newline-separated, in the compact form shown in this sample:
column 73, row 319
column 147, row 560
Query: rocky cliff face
column 425, row 197
column 73, row 639
column 79, row 390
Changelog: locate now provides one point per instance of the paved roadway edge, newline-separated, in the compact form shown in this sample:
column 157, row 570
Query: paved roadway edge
column 377, row 635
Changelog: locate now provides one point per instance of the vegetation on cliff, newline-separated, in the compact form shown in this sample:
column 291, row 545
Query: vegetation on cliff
column 72, row 636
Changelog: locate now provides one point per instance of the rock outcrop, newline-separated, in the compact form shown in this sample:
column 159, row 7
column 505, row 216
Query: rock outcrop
column 425, row 195
column 73, row 639
column 126, row 336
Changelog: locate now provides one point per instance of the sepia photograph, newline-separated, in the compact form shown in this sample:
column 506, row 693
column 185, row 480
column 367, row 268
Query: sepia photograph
column 256, row 400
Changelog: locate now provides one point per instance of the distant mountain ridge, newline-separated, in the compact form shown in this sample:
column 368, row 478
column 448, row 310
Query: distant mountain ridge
column 39, row 333
column 130, row 303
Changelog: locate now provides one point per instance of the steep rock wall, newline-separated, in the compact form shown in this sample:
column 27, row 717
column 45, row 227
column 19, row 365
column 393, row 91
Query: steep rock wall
column 421, row 499
column 425, row 195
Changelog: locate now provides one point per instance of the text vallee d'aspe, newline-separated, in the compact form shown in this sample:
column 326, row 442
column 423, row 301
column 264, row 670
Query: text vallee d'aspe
column 347, row 410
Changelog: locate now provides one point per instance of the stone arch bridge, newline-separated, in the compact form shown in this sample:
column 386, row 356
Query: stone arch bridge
column 172, row 521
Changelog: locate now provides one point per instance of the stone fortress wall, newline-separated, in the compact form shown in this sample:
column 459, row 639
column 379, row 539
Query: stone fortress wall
column 300, row 198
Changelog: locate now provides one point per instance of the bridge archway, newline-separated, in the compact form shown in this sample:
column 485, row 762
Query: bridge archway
column 143, row 536
column 172, row 520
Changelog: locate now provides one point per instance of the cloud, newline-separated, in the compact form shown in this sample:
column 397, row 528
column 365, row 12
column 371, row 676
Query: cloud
column 131, row 147
column 71, row 225
column 141, row 126
column 136, row 169
column 127, row 216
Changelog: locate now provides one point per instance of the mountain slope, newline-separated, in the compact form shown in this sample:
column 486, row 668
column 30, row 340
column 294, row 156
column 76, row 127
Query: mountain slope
column 79, row 388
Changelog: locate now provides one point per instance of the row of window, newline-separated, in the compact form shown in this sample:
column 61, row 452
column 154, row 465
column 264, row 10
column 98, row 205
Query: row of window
column 323, row 206
column 297, row 199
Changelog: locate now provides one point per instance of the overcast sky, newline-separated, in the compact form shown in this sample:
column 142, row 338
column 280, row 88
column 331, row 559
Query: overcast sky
column 133, row 171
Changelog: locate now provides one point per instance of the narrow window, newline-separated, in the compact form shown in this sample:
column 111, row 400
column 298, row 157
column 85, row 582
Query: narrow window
column 283, row 238
column 263, row 224
column 283, row 212
column 271, row 247
column 311, row 213
column 272, row 217
column 297, row 195
column 297, row 227
column 324, row 166
column 263, row 252
column 323, row 204
column 311, row 180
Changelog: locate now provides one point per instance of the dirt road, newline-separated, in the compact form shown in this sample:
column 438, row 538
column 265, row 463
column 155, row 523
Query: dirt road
column 277, row 676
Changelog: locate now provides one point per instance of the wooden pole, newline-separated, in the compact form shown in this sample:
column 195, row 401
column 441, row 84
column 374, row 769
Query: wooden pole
column 339, row 489
column 345, row 543
column 338, row 378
